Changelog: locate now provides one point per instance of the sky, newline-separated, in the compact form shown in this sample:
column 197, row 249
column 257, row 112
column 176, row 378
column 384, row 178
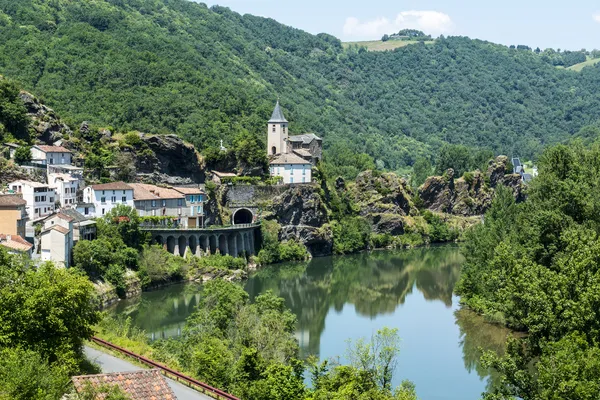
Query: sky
column 571, row 25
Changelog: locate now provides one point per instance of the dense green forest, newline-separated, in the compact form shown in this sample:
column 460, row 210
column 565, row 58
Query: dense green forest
column 208, row 74
column 534, row 266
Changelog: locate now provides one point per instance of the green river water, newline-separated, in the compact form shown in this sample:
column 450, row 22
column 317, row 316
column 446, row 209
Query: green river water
column 348, row 297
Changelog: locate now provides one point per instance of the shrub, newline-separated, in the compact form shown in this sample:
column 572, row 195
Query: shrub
column 22, row 155
column 350, row 235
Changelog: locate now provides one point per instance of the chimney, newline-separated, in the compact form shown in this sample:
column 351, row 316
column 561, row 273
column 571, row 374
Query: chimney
column 8, row 238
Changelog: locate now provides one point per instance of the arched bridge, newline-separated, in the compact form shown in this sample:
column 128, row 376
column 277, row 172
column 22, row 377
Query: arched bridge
column 236, row 240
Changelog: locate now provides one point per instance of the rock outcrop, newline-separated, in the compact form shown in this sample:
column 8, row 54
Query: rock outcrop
column 384, row 199
column 44, row 120
column 303, row 216
column 168, row 159
column 471, row 194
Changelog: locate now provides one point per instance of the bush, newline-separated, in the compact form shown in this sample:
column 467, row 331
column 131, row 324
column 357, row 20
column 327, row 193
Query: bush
column 350, row 235
column 23, row 155
column 156, row 265
column 381, row 240
column 438, row 230
column 273, row 251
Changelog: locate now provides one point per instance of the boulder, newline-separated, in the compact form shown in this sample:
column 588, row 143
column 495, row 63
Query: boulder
column 437, row 193
column 392, row 224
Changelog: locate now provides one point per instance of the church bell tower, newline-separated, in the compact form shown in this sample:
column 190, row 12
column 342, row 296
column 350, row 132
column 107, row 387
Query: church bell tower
column 277, row 132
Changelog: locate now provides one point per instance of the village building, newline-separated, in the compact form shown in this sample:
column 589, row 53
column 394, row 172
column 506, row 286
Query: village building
column 291, row 168
column 57, row 239
column 183, row 205
column 13, row 215
column 137, row 385
column 49, row 155
column 291, row 156
column 66, row 188
column 40, row 197
column 84, row 227
column 15, row 244
column 86, row 209
column 107, row 196
column 194, row 199
column 10, row 149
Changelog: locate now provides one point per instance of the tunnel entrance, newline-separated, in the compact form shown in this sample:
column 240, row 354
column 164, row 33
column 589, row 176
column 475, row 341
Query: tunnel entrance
column 242, row 216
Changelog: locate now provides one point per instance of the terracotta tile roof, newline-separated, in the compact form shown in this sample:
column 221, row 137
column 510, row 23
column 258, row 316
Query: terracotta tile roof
column 53, row 149
column 57, row 228
column 15, row 242
column 143, row 191
column 112, row 186
column 11, row 200
column 188, row 190
column 139, row 385
column 288, row 158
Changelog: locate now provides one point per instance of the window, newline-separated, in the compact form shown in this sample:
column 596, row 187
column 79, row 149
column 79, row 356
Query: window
column 291, row 178
column 283, row 128
column 273, row 128
column 192, row 199
column 124, row 199
column 123, row 192
column 179, row 202
column 113, row 199
column 51, row 199
column 51, row 160
column 303, row 171
column 102, row 200
column 114, row 192
column 153, row 203
column 103, row 211
column 199, row 210
column 66, row 190
column 86, row 210
column 164, row 203
column 103, row 193
column 303, row 179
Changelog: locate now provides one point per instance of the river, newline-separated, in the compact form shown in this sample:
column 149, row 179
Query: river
column 341, row 298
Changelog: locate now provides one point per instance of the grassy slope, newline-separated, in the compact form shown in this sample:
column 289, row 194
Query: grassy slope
column 580, row 66
column 378, row 45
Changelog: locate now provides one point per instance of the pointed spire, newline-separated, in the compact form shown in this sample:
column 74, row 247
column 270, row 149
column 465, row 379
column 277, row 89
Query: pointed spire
column 277, row 116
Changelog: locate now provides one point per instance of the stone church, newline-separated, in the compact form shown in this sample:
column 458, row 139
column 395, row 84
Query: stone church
column 291, row 156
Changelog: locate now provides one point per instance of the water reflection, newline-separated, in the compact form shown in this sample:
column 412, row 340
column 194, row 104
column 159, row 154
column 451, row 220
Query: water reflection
column 336, row 298
column 375, row 283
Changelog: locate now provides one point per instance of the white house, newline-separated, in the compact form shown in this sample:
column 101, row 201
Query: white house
column 66, row 188
column 107, row 196
column 15, row 244
column 57, row 239
column 49, row 155
column 291, row 168
column 39, row 197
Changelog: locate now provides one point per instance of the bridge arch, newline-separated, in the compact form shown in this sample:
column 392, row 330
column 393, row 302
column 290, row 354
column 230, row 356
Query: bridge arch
column 242, row 216
column 182, row 242
column 193, row 244
column 171, row 244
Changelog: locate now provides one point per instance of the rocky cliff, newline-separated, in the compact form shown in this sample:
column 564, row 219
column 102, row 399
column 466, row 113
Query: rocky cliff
column 303, row 216
column 471, row 194
column 384, row 199
column 44, row 121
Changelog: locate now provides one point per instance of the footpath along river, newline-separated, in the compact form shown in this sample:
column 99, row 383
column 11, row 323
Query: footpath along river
column 348, row 297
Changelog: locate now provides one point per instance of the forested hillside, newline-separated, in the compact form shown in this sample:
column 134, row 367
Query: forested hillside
column 164, row 66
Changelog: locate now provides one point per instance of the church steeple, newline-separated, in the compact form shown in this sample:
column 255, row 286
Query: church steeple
column 277, row 116
column 277, row 133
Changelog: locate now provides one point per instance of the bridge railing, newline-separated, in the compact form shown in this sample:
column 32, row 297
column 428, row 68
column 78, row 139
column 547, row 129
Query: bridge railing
column 196, row 384
column 161, row 227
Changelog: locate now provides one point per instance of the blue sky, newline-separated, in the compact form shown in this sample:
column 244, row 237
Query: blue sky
column 563, row 24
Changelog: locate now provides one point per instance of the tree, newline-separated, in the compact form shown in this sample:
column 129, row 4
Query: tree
column 457, row 157
column 379, row 357
column 124, row 221
column 385, row 38
column 48, row 310
column 23, row 155
column 422, row 169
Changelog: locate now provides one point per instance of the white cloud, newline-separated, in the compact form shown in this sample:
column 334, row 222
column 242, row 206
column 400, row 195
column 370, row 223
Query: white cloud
column 431, row 22
column 596, row 17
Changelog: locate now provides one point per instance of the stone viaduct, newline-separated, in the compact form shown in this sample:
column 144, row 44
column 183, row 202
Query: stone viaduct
column 235, row 240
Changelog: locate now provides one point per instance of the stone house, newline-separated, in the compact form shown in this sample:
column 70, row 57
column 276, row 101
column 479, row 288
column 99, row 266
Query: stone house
column 57, row 239
column 40, row 197
column 13, row 215
column 107, row 196
column 49, row 155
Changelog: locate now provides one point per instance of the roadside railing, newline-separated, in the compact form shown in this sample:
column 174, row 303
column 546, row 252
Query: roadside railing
column 161, row 227
column 178, row 376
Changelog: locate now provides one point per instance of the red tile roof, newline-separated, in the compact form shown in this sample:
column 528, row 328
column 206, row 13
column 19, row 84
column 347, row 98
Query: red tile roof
column 139, row 385
column 53, row 149
column 11, row 200
column 15, row 242
column 57, row 228
column 112, row 186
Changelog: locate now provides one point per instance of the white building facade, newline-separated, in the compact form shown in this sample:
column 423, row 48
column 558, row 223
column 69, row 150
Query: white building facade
column 66, row 188
column 57, row 239
column 107, row 196
column 291, row 168
column 51, row 155
column 40, row 197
